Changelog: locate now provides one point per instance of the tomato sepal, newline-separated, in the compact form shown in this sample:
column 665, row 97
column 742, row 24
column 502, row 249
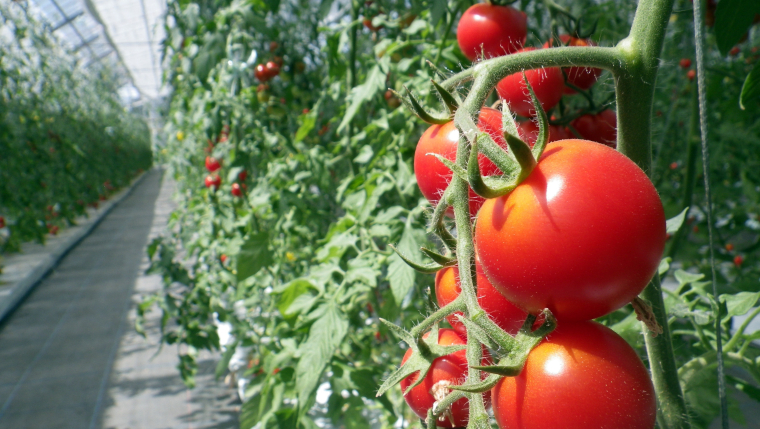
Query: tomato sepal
column 485, row 186
column 425, row 269
column 424, row 351
column 412, row 104
column 448, row 99
column 446, row 261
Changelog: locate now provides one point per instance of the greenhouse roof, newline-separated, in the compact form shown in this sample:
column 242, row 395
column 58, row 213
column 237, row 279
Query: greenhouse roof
column 125, row 32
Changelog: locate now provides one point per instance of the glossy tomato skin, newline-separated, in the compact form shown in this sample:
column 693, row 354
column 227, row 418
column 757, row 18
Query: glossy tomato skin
column 582, row 376
column 433, row 176
column 582, row 235
column 213, row 181
column 452, row 368
column 582, row 77
column 501, row 311
column 600, row 128
column 261, row 73
column 212, row 164
column 528, row 131
column 548, row 84
column 500, row 30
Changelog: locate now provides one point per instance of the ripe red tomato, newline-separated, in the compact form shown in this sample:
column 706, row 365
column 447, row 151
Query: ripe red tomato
column 691, row 74
column 729, row 246
column 273, row 69
column 236, row 191
column 582, row 77
column 501, row 311
column 212, row 164
column 685, row 63
column 213, row 180
column 432, row 176
column 492, row 30
column 738, row 260
column 600, row 128
column 548, row 84
column 582, row 235
column 733, row 52
column 242, row 175
column 223, row 258
column 528, row 131
column 261, row 73
column 450, row 369
column 2, row 220
column 583, row 375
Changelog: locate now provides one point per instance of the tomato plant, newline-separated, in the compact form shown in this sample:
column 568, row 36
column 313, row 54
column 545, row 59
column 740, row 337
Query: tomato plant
column 583, row 375
column 581, row 77
column 544, row 246
column 547, row 82
column 432, row 175
column 501, row 311
column 491, row 30
column 450, row 369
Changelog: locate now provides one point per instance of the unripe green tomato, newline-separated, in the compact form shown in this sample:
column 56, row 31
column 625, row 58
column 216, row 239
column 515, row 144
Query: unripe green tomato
column 262, row 96
column 276, row 112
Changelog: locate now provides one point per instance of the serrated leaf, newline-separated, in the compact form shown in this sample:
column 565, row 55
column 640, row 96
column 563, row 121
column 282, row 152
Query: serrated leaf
column 254, row 255
column 751, row 87
column 325, row 336
column 732, row 19
column 673, row 224
column 739, row 304
column 363, row 94
column 296, row 297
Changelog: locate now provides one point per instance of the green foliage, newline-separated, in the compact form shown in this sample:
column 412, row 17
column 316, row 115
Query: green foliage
column 301, row 267
column 65, row 139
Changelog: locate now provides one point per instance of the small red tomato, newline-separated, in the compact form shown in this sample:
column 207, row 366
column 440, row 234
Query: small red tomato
column 223, row 258
column 433, row 176
column 261, row 73
column 2, row 222
column 548, row 84
column 600, row 128
column 695, row 229
column 738, row 260
column 501, row 311
column 52, row 229
column 673, row 165
column 491, row 30
column 729, row 247
column 236, row 191
column 582, row 77
column 273, row 69
column 305, row 111
column 685, row 63
column 446, row 370
column 212, row 164
column 275, row 371
column 528, row 131
column 242, row 176
column 273, row 46
column 213, row 180
column 583, row 375
column 734, row 51
column 691, row 74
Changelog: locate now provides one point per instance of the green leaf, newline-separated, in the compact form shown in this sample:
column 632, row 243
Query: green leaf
column 684, row 278
column 401, row 275
column 365, row 155
column 324, row 8
column 740, row 303
column 363, row 94
column 325, row 336
column 296, row 297
column 254, row 255
column 673, row 224
column 732, row 19
column 309, row 121
column 751, row 87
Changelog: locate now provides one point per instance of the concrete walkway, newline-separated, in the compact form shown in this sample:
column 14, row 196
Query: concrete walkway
column 69, row 356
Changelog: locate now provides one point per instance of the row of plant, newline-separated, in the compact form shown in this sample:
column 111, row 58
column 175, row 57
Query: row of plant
column 306, row 193
column 66, row 141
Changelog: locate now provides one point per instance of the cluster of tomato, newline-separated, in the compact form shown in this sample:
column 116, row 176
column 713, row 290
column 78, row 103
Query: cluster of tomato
column 214, row 181
column 582, row 235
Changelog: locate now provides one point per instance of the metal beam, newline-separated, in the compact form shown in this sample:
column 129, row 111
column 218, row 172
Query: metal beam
column 76, row 30
column 86, row 42
column 67, row 19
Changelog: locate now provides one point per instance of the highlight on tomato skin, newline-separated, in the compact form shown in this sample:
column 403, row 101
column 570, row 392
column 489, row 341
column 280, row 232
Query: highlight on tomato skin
column 449, row 369
column 582, row 235
column 433, row 176
column 499, row 309
column 583, row 375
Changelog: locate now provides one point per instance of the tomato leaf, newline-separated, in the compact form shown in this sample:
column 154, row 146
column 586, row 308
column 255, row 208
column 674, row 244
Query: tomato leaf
column 732, row 19
column 751, row 87
column 362, row 94
column 673, row 224
column 739, row 304
column 254, row 255
column 325, row 335
column 401, row 275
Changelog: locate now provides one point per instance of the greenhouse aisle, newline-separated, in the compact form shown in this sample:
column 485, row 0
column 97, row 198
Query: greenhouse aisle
column 69, row 355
